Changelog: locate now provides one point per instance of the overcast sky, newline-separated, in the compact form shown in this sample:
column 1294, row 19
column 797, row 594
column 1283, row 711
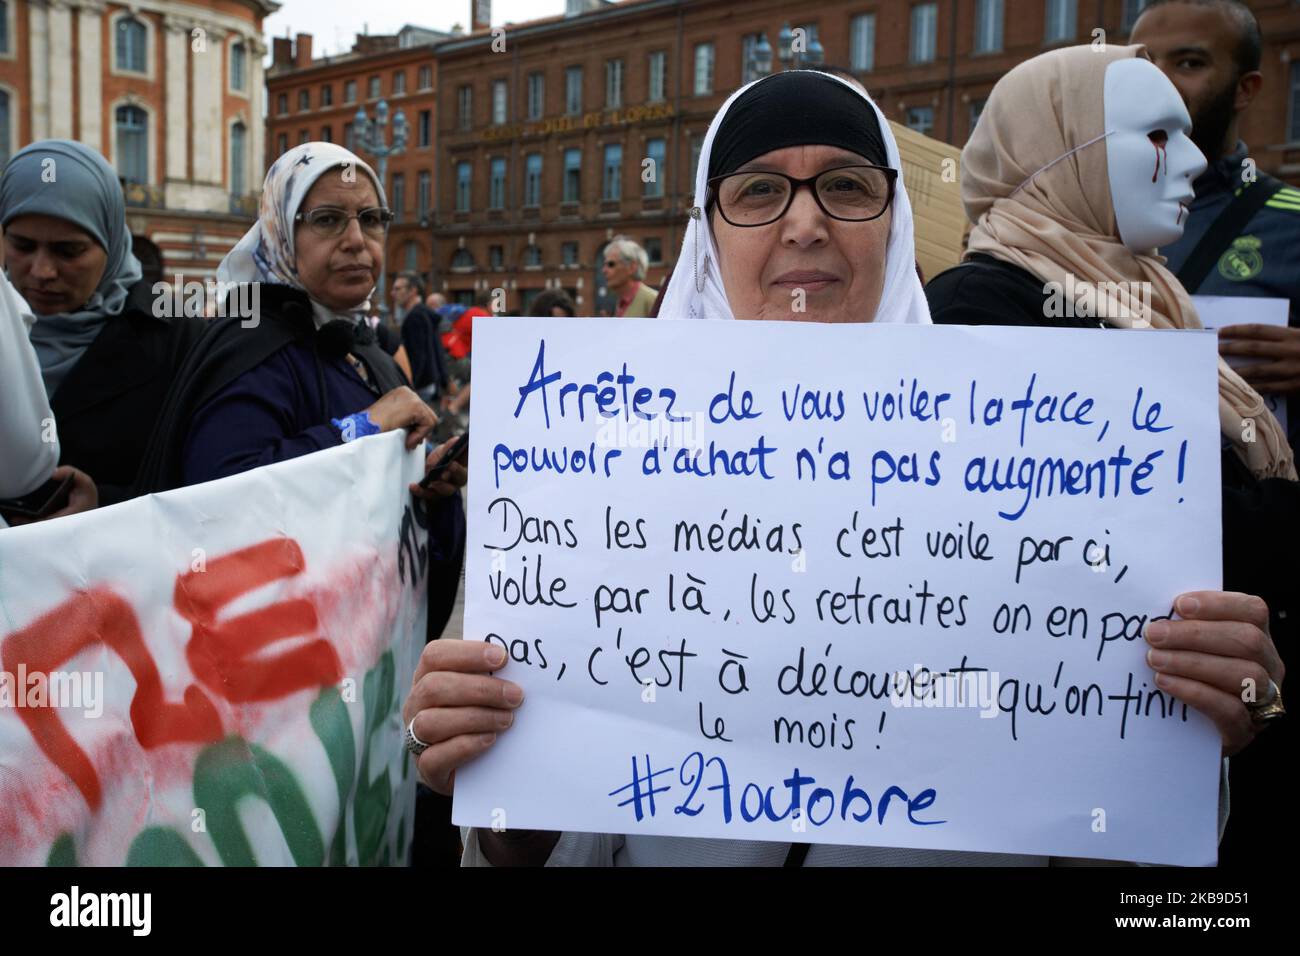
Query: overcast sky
column 333, row 23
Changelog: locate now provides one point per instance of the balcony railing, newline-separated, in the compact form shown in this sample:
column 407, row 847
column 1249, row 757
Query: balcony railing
column 142, row 196
column 244, row 206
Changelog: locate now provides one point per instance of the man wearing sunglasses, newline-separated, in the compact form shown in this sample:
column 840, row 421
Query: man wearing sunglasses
column 623, row 265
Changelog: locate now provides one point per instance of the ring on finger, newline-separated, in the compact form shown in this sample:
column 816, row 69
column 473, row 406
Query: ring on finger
column 413, row 743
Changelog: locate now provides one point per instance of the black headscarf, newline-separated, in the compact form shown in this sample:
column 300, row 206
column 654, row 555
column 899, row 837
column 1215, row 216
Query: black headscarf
column 796, row 108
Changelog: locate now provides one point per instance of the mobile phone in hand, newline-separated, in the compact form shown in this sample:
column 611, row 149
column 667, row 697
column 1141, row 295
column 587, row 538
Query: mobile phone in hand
column 44, row 501
column 455, row 451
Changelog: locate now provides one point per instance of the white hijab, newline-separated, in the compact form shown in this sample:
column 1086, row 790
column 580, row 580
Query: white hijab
column 696, row 290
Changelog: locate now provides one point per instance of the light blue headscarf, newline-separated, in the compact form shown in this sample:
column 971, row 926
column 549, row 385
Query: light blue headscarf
column 70, row 181
column 266, row 252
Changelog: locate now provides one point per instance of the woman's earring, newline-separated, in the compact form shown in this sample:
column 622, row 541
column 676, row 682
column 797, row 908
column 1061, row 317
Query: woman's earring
column 695, row 214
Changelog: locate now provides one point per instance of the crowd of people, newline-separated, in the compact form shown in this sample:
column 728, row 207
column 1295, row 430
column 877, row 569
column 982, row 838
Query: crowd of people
column 104, row 400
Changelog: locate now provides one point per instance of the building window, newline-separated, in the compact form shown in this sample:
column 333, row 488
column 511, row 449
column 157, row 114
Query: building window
column 613, row 84
column 976, row 110
column 497, row 183
column 399, row 196
column 399, row 82
column 425, row 78
column 573, row 90
column 326, row 134
column 304, row 100
column 373, row 88
column 282, row 104
column 654, row 151
column 132, row 128
column 533, row 180
column 411, row 253
column 748, row 66
column 568, row 253
column 238, row 66
column 1132, row 10
column 304, row 137
column 465, row 107
column 6, row 145
column 988, row 26
column 654, row 249
column 132, row 37
column 533, row 257
column 925, row 18
column 424, row 130
column 496, row 258
column 572, row 175
column 463, row 260
column 862, row 43
column 536, row 95
column 326, row 95
column 1062, row 18
column 656, row 91
column 1293, row 127
column 350, row 91
column 613, row 179
column 697, row 144
column 4, row 48
column 703, row 69
column 238, row 160
column 464, row 181
column 282, row 143
column 500, row 103
column 423, row 194
column 921, row 119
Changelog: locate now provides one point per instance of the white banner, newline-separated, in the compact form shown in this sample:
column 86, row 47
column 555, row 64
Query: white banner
column 215, row 674
column 853, row 584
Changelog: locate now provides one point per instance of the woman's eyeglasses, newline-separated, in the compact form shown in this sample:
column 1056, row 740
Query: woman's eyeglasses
column 848, row 193
column 330, row 221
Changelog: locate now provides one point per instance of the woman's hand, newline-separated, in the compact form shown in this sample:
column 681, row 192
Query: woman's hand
column 1277, row 347
column 84, row 495
column 402, row 408
column 453, row 476
column 1216, row 658
column 458, row 709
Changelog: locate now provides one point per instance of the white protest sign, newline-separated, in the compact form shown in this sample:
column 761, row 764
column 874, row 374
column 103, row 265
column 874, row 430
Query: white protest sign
column 1220, row 311
column 215, row 675
column 849, row 584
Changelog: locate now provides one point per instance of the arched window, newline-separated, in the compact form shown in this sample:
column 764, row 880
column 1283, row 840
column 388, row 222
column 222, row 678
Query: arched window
column 412, row 253
column 132, row 129
column 131, row 41
column 238, row 141
column 5, row 145
column 463, row 259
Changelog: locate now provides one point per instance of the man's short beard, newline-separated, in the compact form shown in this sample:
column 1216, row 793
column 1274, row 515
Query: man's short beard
column 1210, row 123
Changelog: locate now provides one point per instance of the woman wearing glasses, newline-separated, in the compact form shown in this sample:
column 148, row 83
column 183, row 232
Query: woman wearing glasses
column 302, row 372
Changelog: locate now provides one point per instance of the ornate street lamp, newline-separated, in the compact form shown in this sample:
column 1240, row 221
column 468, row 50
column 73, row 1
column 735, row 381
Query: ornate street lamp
column 371, row 137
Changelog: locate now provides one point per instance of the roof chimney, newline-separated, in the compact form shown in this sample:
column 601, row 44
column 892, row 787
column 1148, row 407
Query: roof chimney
column 281, row 51
column 480, row 15
column 302, row 51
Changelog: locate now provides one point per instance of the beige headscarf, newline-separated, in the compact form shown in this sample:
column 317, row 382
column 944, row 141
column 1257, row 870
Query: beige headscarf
column 1046, row 116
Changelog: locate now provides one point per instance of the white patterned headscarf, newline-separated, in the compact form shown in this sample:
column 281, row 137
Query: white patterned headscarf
column 266, row 252
column 696, row 289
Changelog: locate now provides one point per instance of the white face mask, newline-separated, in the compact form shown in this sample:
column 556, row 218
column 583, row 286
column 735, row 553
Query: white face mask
column 1150, row 158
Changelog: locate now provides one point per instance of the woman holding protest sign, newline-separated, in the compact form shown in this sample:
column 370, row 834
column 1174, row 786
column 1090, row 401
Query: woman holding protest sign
column 1066, row 226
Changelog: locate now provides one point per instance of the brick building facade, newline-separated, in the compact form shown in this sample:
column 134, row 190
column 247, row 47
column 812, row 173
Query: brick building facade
column 555, row 134
column 170, row 92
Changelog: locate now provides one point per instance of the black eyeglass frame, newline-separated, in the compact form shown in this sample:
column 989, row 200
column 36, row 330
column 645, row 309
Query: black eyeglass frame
column 387, row 218
column 891, row 175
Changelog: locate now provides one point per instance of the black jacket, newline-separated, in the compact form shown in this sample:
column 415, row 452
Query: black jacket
column 106, row 407
column 424, row 349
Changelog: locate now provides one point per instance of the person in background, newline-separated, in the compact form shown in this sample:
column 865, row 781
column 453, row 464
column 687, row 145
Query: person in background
column 554, row 303
column 29, row 443
column 435, row 301
column 420, row 338
column 107, row 358
column 1243, row 230
column 623, row 265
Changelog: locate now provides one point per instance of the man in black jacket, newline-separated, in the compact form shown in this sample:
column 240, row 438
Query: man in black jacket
column 420, row 336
